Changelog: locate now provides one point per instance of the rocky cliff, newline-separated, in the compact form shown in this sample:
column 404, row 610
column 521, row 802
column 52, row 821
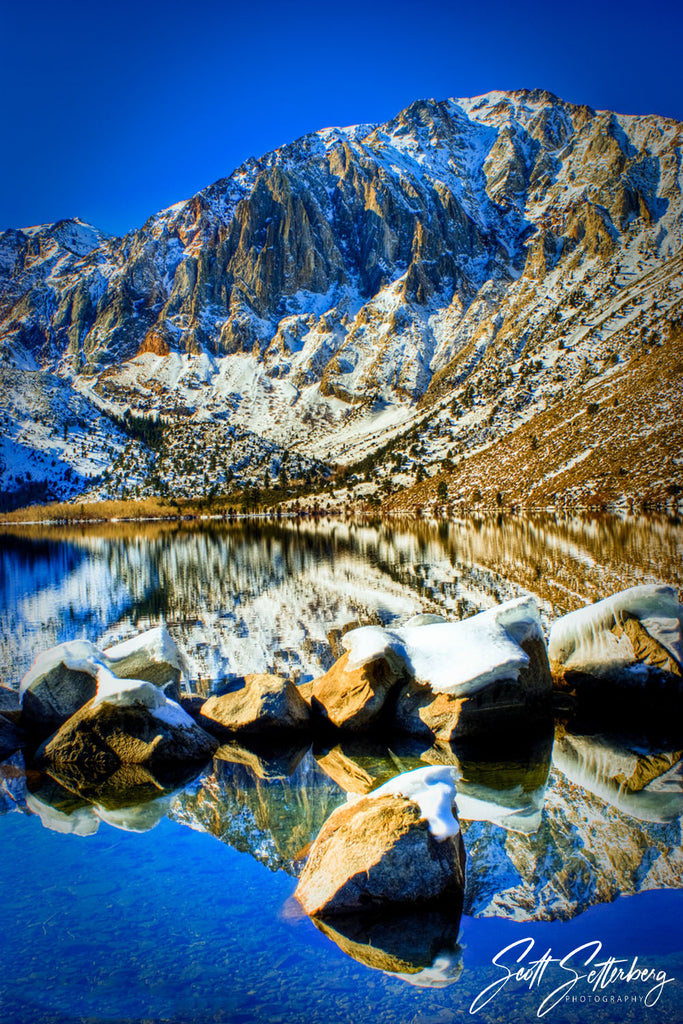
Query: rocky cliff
column 327, row 294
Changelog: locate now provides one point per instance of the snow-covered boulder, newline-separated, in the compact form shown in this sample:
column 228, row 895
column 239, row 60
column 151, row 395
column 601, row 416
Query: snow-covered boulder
column 152, row 656
column 64, row 678
column 128, row 721
column 627, row 638
column 488, row 673
column 400, row 844
column 352, row 696
column 648, row 786
column 60, row 682
column 263, row 704
column 420, row 947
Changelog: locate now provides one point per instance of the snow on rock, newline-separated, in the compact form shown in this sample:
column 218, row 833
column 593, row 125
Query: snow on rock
column 455, row 657
column 76, row 655
column 60, row 682
column 64, row 678
column 433, row 790
column 137, row 692
column 598, row 639
column 376, row 851
column 152, row 655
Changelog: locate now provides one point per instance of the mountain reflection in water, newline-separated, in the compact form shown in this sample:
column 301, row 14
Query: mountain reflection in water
column 555, row 830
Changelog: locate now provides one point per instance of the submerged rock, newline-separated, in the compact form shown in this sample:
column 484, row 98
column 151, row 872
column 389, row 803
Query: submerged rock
column 352, row 696
column 420, row 947
column 630, row 638
column 264, row 703
column 400, row 844
column 128, row 722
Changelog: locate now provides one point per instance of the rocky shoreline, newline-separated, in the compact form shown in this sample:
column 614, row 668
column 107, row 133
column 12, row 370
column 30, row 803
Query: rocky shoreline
column 391, row 724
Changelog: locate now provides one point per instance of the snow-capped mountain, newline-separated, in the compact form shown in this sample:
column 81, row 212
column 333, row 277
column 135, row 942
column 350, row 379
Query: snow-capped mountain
column 459, row 269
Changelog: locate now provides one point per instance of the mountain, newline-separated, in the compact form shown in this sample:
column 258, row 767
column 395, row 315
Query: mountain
column 416, row 290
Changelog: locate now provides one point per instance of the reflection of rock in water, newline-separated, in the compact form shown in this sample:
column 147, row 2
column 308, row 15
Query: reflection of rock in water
column 585, row 852
column 131, row 799
column 359, row 765
column 267, row 757
column 297, row 581
column 420, row 947
column 275, row 819
column 645, row 785
column 508, row 791
column 12, row 784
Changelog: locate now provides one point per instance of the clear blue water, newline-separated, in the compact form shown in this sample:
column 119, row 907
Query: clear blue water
column 192, row 920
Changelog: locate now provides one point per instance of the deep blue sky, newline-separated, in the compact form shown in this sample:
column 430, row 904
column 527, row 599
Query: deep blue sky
column 114, row 109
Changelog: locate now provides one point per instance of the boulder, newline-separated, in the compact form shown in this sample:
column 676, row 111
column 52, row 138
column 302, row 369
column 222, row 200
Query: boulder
column 152, row 656
column 519, row 703
column 483, row 675
column 11, row 738
column 64, row 678
column 263, row 704
column 60, row 682
column 352, row 696
column 630, row 638
column 127, row 722
column 400, row 844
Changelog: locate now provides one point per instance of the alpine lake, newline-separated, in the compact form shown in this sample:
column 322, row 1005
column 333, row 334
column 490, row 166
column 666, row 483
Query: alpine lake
column 178, row 907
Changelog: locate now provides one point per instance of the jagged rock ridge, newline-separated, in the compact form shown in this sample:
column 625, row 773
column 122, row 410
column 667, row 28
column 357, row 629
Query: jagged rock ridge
column 340, row 280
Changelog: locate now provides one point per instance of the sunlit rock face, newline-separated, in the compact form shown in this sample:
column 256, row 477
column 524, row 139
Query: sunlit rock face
column 398, row 845
column 264, row 704
column 351, row 271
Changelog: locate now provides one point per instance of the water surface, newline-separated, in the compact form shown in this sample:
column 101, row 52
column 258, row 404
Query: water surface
column 177, row 906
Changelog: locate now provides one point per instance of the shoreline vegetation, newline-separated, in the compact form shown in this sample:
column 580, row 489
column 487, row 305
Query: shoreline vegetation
column 242, row 506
